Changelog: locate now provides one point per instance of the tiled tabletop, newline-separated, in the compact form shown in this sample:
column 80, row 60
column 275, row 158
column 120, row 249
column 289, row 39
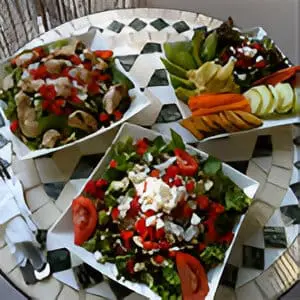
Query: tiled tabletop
column 265, row 260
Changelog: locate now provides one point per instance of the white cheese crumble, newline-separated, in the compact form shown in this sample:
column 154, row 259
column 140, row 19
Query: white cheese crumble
column 159, row 223
column 249, row 51
column 174, row 228
column 259, row 58
column 124, row 205
column 159, row 196
column 138, row 241
column 242, row 76
column 150, row 221
column 208, row 184
column 195, row 220
column 139, row 267
column 190, row 233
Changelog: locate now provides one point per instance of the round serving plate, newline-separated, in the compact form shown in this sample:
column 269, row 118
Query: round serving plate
column 264, row 262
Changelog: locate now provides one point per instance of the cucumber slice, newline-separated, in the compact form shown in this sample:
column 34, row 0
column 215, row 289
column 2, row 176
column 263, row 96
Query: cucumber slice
column 276, row 97
column 296, row 108
column 286, row 95
column 267, row 100
column 255, row 100
column 174, row 69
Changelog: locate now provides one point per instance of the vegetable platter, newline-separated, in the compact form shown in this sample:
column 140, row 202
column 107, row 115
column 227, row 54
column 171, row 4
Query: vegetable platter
column 228, row 81
column 64, row 93
column 155, row 213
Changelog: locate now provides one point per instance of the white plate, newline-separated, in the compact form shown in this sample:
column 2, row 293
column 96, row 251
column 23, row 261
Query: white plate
column 62, row 230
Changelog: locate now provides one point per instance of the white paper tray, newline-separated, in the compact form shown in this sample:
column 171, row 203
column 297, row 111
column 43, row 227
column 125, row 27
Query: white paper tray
column 95, row 41
column 62, row 230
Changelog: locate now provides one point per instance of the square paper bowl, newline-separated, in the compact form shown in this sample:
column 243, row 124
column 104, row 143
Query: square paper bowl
column 95, row 41
column 62, row 230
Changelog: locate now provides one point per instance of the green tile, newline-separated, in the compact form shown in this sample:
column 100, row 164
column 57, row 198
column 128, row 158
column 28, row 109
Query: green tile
column 159, row 24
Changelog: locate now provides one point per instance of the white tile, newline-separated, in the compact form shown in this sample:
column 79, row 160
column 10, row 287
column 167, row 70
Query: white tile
column 46, row 215
column 224, row 292
column 280, row 176
column 270, row 283
column 291, row 233
column 165, row 94
column 271, row 255
column 203, row 20
column 135, row 296
column 236, row 254
column 70, row 190
column 255, row 172
column 245, row 275
column 256, row 240
column 283, row 158
column 47, row 289
column 81, row 23
column 7, row 260
column 188, row 16
column 289, row 198
column 276, row 219
column 36, row 197
column 26, row 172
column 250, row 291
column 282, row 138
column 272, row 194
column 264, row 163
column 261, row 212
column 68, row 293
column 102, row 289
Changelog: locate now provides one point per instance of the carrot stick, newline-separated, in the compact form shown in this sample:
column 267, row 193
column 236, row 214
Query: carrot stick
column 213, row 100
column 242, row 105
column 279, row 76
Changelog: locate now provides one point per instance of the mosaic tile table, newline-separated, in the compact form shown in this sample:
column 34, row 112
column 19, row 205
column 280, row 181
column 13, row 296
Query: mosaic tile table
column 265, row 260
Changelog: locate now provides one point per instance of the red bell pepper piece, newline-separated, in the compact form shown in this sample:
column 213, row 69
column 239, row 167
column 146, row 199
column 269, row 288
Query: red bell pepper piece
column 188, row 166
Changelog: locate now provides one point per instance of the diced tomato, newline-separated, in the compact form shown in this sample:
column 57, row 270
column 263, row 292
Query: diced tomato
column 164, row 245
column 149, row 213
column 115, row 213
column 40, row 52
column 113, row 164
column 101, row 183
column 172, row 171
column 126, row 236
column 160, row 234
column 90, row 188
column 141, row 146
column 202, row 202
column 257, row 46
column 216, row 208
column 155, row 173
column 118, row 115
column 211, row 234
column 193, row 278
column 93, row 88
column 130, row 266
column 39, row 73
column 260, row 65
column 88, row 65
column 140, row 227
column 48, row 91
column 85, row 219
column 158, row 259
column 46, row 104
column 201, row 247
column 150, row 233
column 103, row 117
column 166, row 179
column 14, row 125
column 172, row 253
column 190, row 186
column 227, row 238
column 134, row 207
column 104, row 77
column 187, row 211
column 149, row 245
column 75, row 99
column 177, row 181
column 104, row 54
column 188, row 166
column 75, row 59
column 65, row 73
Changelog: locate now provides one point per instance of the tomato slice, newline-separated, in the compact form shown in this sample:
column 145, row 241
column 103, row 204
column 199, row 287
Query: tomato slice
column 188, row 166
column 84, row 219
column 194, row 283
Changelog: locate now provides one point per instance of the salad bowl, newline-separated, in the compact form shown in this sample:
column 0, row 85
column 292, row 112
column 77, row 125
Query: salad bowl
column 84, row 245
column 64, row 93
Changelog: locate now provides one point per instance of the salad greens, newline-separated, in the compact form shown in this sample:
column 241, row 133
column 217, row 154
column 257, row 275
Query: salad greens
column 154, row 200
column 61, row 92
